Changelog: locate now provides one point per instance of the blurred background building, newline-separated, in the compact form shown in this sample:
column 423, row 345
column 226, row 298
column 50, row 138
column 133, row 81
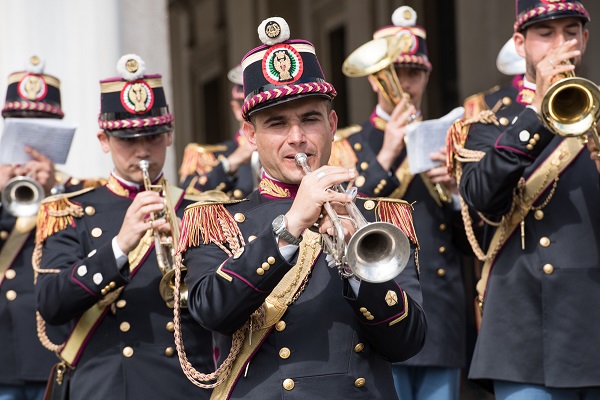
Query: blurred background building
column 193, row 44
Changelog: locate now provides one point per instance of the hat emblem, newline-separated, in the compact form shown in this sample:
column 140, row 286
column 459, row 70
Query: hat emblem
column 272, row 29
column 32, row 87
column 132, row 65
column 408, row 42
column 137, row 97
column 282, row 64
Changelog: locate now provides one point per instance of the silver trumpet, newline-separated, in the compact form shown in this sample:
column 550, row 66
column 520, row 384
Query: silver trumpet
column 22, row 196
column 377, row 252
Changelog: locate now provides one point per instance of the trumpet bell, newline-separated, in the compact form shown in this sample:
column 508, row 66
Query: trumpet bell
column 571, row 107
column 167, row 289
column 22, row 196
column 371, row 57
column 378, row 252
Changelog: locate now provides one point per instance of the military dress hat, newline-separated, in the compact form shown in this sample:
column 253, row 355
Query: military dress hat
column 281, row 70
column 32, row 93
column 413, row 51
column 531, row 11
column 133, row 104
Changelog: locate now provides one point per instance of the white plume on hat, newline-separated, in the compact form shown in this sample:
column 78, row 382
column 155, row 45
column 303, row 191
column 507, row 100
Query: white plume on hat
column 131, row 75
column 235, row 75
column 404, row 16
column 509, row 62
column 35, row 65
column 283, row 35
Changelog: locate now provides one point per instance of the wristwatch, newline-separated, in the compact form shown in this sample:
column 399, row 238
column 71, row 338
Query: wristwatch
column 280, row 230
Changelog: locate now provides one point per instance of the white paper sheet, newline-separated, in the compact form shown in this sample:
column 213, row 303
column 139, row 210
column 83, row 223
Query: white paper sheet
column 51, row 137
column 426, row 137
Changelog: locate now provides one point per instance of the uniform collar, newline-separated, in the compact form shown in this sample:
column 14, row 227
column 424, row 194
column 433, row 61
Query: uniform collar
column 526, row 93
column 124, row 188
column 274, row 189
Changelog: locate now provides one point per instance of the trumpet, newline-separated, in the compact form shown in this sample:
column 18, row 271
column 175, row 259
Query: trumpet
column 22, row 196
column 376, row 252
column 571, row 107
column 166, row 244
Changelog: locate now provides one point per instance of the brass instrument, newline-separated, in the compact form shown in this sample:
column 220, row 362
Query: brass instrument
column 22, row 196
column 377, row 252
column 166, row 244
column 571, row 107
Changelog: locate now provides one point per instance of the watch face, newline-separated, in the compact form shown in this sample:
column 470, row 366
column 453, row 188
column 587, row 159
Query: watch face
column 278, row 224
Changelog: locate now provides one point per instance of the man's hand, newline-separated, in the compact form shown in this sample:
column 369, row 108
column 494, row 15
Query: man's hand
column 240, row 156
column 440, row 174
column 594, row 151
column 7, row 172
column 137, row 220
column 39, row 168
column 393, row 136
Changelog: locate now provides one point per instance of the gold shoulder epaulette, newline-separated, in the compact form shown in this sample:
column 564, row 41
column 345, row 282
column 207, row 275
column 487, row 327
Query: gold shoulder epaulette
column 397, row 212
column 56, row 213
column 215, row 196
column 92, row 183
column 474, row 104
column 208, row 221
column 199, row 159
column 342, row 153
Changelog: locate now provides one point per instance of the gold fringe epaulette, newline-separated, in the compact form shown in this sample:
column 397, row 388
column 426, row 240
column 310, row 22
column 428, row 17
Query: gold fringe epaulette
column 207, row 222
column 342, row 153
column 474, row 104
column 199, row 159
column 56, row 213
column 93, row 183
column 399, row 213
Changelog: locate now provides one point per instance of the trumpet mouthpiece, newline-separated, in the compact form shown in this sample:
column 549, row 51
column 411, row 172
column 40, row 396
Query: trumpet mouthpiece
column 144, row 164
column 300, row 159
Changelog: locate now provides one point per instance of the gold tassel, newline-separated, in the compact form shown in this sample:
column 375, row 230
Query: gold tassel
column 342, row 154
column 55, row 216
column 398, row 213
column 199, row 159
column 209, row 223
column 457, row 135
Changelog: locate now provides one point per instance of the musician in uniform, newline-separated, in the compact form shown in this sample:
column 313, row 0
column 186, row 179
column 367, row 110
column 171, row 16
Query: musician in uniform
column 97, row 256
column 258, row 277
column 539, row 192
column 230, row 167
column 24, row 363
column 379, row 152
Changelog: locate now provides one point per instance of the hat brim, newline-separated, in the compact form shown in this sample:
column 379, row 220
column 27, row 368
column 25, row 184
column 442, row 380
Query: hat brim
column 549, row 17
column 135, row 133
column 284, row 100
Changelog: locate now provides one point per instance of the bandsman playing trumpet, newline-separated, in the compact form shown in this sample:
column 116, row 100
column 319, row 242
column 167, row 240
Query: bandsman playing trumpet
column 538, row 189
column 24, row 363
column 378, row 149
column 96, row 260
column 285, row 322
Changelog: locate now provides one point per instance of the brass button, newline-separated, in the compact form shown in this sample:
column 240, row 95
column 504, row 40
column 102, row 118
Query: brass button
column 536, row 136
column 443, row 227
column 74, row 181
column 96, row 232
column 288, row 384
column 539, row 215
column 364, row 165
column 170, row 326
column 251, row 238
column 11, row 295
column 442, row 249
column 239, row 217
column 128, row 351
column 10, row 274
column 503, row 121
column 280, row 326
column 391, row 298
column 370, row 318
column 271, row 260
column 369, row 205
column 506, row 101
column 360, row 382
column 121, row 303
column 377, row 190
column 3, row 235
column 265, row 266
column 548, row 269
column 360, row 181
column 260, row 271
column 112, row 285
column 89, row 210
column 441, row 272
column 357, row 146
column 359, row 347
column 238, row 194
column 169, row 351
column 529, row 147
column 125, row 326
column 544, row 242
column 362, row 310
column 285, row 353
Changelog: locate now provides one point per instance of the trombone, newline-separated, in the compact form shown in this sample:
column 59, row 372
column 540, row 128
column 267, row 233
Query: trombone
column 376, row 252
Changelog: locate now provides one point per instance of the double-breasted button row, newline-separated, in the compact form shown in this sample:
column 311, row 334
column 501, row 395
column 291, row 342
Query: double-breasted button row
column 10, row 274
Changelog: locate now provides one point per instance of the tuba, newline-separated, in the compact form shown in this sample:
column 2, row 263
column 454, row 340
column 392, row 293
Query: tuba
column 377, row 252
column 166, row 244
column 571, row 107
column 22, row 196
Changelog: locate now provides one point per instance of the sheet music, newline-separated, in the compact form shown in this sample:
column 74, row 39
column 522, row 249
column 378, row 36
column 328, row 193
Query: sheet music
column 426, row 137
column 51, row 137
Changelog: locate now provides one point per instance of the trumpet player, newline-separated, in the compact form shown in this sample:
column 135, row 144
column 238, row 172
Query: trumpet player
column 24, row 364
column 96, row 259
column 539, row 192
column 380, row 152
column 286, row 323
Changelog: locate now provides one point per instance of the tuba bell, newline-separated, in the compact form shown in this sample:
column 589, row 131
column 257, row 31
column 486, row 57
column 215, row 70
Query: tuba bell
column 22, row 196
column 571, row 107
